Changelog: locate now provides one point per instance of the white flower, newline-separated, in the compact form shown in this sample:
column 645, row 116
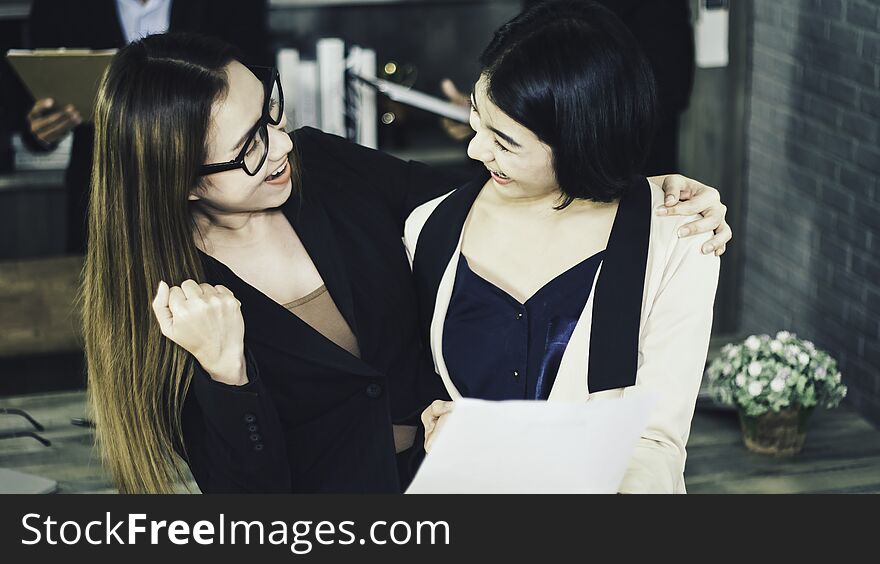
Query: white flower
column 792, row 350
column 783, row 335
column 820, row 373
column 740, row 380
column 753, row 343
column 809, row 346
column 777, row 385
column 755, row 389
column 755, row 369
column 733, row 352
column 727, row 370
column 837, row 377
column 785, row 373
column 804, row 359
column 775, row 346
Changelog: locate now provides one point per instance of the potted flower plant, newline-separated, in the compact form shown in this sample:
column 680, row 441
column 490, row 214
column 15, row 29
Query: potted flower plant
column 775, row 383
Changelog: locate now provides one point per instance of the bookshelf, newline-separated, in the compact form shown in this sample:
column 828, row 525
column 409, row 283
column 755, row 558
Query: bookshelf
column 425, row 40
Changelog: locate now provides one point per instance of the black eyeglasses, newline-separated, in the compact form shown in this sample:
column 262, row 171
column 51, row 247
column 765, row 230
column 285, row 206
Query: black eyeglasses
column 256, row 146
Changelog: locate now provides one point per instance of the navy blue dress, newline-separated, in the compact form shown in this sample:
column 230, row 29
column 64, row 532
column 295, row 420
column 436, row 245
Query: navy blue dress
column 497, row 348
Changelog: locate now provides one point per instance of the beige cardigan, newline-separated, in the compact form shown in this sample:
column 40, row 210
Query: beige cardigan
column 676, row 319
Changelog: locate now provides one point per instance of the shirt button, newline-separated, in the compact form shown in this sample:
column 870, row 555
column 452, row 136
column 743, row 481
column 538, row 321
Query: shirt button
column 374, row 390
column 250, row 418
column 252, row 428
column 255, row 437
column 258, row 447
column 519, row 315
column 516, row 373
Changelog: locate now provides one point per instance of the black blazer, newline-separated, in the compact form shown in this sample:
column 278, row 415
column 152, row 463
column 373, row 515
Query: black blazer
column 314, row 418
column 95, row 24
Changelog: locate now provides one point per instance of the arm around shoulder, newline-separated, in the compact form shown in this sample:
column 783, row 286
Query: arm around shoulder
column 401, row 185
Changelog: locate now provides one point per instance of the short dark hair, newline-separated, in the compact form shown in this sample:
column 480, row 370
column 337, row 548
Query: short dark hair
column 574, row 75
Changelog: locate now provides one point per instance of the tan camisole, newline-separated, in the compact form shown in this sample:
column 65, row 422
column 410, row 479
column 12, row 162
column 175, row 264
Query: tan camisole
column 318, row 310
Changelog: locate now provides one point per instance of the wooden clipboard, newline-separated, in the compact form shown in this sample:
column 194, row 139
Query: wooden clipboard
column 68, row 76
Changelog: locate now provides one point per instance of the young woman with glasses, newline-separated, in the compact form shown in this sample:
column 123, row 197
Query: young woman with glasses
column 286, row 345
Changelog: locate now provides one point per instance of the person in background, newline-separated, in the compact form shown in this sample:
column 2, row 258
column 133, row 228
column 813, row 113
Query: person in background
column 663, row 30
column 108, row 24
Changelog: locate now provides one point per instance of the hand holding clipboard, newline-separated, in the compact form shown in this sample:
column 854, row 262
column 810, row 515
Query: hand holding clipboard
column 64, row 83
column 49, row 122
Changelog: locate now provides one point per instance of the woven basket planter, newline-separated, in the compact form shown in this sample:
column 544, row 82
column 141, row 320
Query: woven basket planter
column 779, row 433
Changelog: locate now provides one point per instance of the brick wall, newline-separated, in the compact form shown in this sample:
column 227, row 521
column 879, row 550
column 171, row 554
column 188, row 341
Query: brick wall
column 812, row 240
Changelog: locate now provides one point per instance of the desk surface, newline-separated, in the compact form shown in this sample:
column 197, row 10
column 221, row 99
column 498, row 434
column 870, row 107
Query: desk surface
column 841, row 455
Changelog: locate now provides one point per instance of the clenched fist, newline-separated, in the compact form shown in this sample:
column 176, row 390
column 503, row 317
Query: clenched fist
column 206, row 321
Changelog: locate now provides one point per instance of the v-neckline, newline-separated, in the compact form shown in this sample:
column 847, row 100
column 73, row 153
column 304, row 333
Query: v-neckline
column 463, row 233
column 285, row 310
column 310, row 222
column 617, row 291
column 537, row 292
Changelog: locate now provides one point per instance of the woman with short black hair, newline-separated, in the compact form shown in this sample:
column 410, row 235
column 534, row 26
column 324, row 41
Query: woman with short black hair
column 549, row 278
column 588, row 93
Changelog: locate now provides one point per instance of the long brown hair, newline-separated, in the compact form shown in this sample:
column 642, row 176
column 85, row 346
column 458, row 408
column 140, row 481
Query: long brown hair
column 151, row 118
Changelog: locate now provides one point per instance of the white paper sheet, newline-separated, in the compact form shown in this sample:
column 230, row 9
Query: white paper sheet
column 418, row 99
column 534, row 446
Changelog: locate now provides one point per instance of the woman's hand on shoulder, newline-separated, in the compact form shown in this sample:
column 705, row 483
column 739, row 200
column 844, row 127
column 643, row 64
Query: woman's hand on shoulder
column 206, row 321
column 685, row 196
column 433, row 418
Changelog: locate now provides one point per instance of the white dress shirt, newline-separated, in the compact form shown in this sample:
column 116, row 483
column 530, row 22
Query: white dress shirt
column 140, row 19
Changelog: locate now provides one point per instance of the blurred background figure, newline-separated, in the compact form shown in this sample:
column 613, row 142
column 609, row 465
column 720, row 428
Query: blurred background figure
column 108, row 24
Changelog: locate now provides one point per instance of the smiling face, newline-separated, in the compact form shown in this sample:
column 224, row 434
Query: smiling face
column 521, row 165
column 232, row 117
